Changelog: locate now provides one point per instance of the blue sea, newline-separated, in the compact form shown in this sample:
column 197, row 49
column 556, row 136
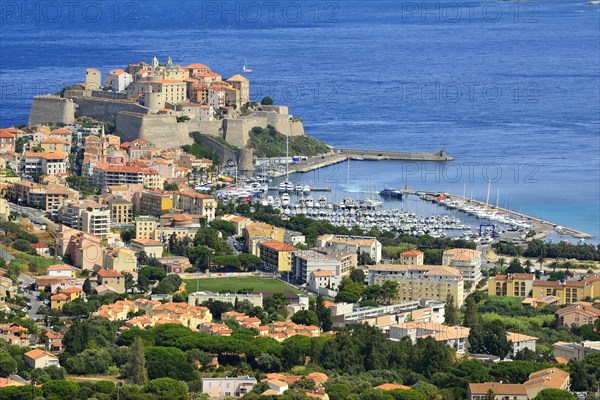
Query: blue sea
column 510, row 89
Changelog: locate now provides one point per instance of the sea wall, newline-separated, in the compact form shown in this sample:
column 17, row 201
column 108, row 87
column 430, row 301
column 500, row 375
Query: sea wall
column 51, row 109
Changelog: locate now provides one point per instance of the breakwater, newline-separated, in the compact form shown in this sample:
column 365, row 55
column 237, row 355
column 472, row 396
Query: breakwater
column 340, row 155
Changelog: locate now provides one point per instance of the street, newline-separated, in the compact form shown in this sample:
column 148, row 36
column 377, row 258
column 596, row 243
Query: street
column 34, row 214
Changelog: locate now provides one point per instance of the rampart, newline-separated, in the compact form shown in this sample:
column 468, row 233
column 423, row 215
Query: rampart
column 51, row 109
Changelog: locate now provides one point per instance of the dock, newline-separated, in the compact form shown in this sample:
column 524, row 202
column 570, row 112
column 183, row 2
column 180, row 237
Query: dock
column 539, row 225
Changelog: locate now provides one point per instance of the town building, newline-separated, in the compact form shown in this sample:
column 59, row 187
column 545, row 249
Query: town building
column 550, row 378
column 152, row 248
column 111, row 278
column 86, row 216
column 467, row 261
column 357, row 244
column 197, row 298
column 569, row 291
column 424, row 281
column 52, row 163
column 276, row 255
column 121, row 210
column 63, row 270
column 192, row 202
column 156, row 202
column 564, row 351
column 412, row 257
column 145, row 227
column 228, row 387
column 577, row 314
column 511, row 285
column 47, row 197
column 40, row 359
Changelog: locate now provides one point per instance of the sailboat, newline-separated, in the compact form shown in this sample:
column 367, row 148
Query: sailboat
column 245, row 67
column 287, row 186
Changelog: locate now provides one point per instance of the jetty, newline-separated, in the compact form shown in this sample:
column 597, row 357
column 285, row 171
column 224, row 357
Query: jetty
column 339, row 155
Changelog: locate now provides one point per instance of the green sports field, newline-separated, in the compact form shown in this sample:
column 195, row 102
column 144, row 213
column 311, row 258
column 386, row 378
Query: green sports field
column 235, row 283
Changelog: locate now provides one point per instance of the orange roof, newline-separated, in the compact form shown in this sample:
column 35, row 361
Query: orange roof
column 197, row 66
column 59, row 297
column 498, row 388
column 61, row 131
column 6, row 135
column 109, row 273
column 462, row 254
column 55, row 155
column 392, row 386
column 61, row 267
column 37, row 353
column 411, row 253
column 277, row 245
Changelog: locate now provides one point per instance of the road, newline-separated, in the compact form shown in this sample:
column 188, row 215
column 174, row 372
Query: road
column 31, row 295
column 34, row 214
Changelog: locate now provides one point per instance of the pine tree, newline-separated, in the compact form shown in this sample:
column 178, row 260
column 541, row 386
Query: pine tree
column 471, row 313
column 450, row 311
column 135, row 368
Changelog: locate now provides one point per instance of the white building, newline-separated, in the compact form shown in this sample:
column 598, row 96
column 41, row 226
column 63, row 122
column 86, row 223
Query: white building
column 216, row 96
column 467, row 261
column 52, row 163
column 304, row 262
column 228, row 387
column 197, row 298
column 86, row 216
column 118, row 80
column 357, row 244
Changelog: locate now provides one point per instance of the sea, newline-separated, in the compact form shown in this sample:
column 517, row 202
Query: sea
column 511, row 90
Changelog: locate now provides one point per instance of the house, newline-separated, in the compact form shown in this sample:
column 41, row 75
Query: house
column 412, row 257
column 58, row 300
column 40, row 359
column 62, row 270
column 152, row 248
column 357, row 244
column 228, row 387
column 53, row 341
column 539, row 303
column 575, row 351
column 112, row 278
column 578, row 314
column 520, row 342
column 15, row 334
column 550, row 378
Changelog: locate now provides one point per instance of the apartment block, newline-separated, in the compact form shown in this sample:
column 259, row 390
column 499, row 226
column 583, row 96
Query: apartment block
column 467, row 261
column 512, row 285
column 357, row 244
column 421, row 281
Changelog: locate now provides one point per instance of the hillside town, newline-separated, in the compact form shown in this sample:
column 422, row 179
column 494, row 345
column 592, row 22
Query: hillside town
column 129, row 271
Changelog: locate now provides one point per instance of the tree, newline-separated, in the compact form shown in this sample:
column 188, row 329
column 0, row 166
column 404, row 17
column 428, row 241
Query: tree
column 167, row 388
column 306, row 317
column 389, row 291
column 248, row 261
column 471, row 317
column 515, row 267
column 266, row 101
column 87, row 287
column 450, row 312
column 365, row 259
column 554, row 394
column 501, row 262
column 338, row 392
column 358, row 276
column 8, row 365
column 58, row 390
column 346, row 297
column 135, row 368
column 489, row 338
column 127, row 235
column 168, row 362
column 24, row 246
column 170, row 187
column 324, row 314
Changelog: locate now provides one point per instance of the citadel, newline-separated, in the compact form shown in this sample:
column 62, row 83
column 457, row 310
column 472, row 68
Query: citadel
column 163, row 103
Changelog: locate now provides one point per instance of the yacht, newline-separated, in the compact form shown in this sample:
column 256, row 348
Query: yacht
column 285, row 199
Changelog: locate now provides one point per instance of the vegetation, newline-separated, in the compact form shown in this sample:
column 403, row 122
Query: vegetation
column 199, row 149
column 538, row 248
column 233, row 285
column 268, row 142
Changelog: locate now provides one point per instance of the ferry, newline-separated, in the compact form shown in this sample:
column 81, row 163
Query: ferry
column 392, row 193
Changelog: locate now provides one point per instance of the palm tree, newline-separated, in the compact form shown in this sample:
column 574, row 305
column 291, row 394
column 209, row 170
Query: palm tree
column 540, row 260
column 528, row 264
column 501, row 262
